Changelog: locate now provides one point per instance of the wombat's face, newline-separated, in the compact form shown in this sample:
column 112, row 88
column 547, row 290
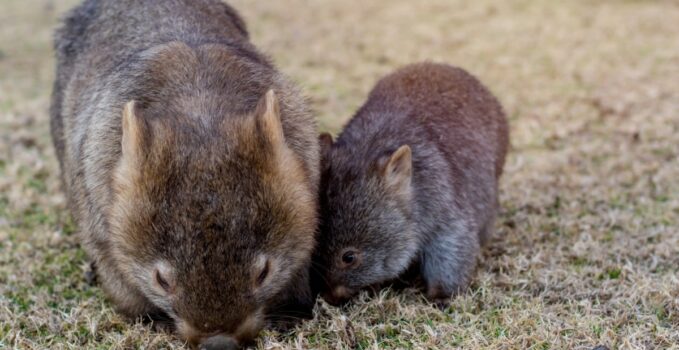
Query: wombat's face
column 366, row 227
column 211, row 223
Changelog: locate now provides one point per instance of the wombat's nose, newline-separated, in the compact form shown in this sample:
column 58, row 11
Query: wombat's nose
column 333, row 301
column 337, row 296
column 218, row 342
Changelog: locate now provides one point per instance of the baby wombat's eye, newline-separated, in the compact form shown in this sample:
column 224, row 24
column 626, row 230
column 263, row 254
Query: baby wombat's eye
column 350, row 258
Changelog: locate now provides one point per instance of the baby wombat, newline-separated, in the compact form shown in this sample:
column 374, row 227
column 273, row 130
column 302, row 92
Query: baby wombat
column 411, row 181
column 190, row 164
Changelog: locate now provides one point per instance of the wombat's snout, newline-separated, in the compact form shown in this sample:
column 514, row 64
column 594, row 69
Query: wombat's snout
column 218, row 342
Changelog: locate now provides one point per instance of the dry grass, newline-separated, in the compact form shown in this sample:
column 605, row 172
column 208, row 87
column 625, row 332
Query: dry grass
column 589, row 252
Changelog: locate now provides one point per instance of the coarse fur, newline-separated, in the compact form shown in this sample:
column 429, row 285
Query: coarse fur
column 190, row 165
column 412, row 181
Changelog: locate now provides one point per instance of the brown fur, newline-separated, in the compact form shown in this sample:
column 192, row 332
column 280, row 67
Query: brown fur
column 412, row 181
column 190, row 164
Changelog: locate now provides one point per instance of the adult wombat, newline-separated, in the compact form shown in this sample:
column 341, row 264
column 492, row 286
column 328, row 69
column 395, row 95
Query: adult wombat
column 190, row 164
column 412, row 179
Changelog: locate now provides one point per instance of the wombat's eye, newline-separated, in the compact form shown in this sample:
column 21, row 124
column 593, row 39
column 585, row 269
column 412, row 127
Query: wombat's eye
column 162, row 282
column 263, row 273
column 350, row 258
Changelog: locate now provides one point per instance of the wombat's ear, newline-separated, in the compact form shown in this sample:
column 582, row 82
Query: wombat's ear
column 133, row 132
column 269, row 118
column 397, row 171
column 325, row 140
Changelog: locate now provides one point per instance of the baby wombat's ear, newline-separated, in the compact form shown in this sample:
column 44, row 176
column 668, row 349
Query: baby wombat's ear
column 397, row 169
column 269, row 118
column 325, row 140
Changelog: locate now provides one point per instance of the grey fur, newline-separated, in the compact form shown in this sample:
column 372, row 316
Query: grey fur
column 458, row 135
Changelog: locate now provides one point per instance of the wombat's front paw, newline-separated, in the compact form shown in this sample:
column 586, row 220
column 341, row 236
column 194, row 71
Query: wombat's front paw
column 91, row 274
column 282, row 324
column 286, row 317
column 159, row 321
column 439, row 297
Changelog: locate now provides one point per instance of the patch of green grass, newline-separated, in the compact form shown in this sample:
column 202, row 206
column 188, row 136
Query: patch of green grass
column 579, row 261
column 6, row 105
column 37, row 184
column 661, row 314
column 363, row 344
column 612, row 273
column 597, row 330
column 36, row 215
column 20, row 299
column 500, row 332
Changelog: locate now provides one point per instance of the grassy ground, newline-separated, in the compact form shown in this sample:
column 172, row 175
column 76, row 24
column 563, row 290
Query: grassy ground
column 589, row 247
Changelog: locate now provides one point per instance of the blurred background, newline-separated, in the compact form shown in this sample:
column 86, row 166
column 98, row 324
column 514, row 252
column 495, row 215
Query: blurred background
column 587, row 251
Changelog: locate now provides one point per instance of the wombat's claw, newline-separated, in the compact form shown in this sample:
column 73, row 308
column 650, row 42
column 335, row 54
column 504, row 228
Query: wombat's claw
column 162, row 327
column 439, row 298
column 280, row 326
column 159, row 321
column 283, row 324
column 91, row 275
column 441, row 304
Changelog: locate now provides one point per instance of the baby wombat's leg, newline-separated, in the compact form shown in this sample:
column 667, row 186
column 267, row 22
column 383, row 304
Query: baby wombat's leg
column 293, row 305
column 448, row 262
column 488, row 229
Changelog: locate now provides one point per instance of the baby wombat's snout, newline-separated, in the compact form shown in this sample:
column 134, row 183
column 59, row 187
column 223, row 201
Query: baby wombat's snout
column 338, row 295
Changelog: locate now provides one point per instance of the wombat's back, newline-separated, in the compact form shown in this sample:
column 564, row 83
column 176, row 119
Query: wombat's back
column 100, row 36
column 100, row 49
column 434, row 103
column 111, row 30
